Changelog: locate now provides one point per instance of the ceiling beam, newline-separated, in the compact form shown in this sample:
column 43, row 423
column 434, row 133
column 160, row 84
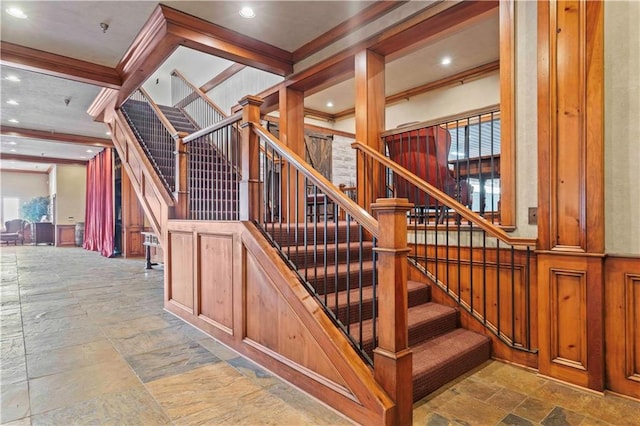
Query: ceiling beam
column 2, row 170
column 222, row 77
column 55, row 137
column 24, row 58
column 40, row 159
column 361, row 19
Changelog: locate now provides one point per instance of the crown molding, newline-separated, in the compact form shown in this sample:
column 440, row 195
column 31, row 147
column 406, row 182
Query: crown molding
column 55, row 137
column 25, row 58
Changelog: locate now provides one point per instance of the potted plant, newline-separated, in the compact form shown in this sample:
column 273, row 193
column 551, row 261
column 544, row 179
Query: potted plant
column 34, row 209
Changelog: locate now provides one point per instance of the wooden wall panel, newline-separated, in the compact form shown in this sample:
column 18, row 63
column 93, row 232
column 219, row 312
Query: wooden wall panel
column 181, row 270
column 622, row 324
column 568, row 317
column 215, row 280
column 272, row 324
column 65, row 235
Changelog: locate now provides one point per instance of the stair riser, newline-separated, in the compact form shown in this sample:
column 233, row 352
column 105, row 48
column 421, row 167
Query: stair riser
column 282, row 237
column 329, row 285
column 301, row 258
column 352, row 314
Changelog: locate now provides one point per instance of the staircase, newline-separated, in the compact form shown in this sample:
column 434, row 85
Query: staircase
column 441, row 350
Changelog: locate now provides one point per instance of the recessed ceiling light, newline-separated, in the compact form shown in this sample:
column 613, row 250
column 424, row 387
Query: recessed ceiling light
column 12, row 143
column 247, row 12
column 446, row 60
column 108, row 133
column 12, row 78
column 13, row 120
column 89, row 150
column 83, row 157
column 12, row 150
column 329, row 104
column 12, row 102
column 16, row 12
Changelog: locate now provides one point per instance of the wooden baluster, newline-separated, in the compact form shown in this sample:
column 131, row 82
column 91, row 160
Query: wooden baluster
column 250, row 193
column 392, row 357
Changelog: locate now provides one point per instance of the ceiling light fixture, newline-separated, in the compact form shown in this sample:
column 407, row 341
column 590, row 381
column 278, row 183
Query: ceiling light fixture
column 12, row 143
column 247, row 12
column 329, row 104
column 12, row 150
column 13, row 120
column 89, row 150
column 108, row 133
column 446, row 60
column 12, row 78
column 16, row 12
column 12, row 102
column 104, row 26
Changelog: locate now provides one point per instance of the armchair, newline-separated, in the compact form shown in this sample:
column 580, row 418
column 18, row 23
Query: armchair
column 14, row 231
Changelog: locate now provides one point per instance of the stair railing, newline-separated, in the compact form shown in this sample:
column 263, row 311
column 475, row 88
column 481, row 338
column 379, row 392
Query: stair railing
column 460, row 154
column 213, row 176
column 194, row 103
column 485, row 270
column 156, row 134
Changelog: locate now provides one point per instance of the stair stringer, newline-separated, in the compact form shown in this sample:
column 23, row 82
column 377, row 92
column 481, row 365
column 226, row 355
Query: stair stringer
column 499, row 350
column 273, row 320
column 157, row 202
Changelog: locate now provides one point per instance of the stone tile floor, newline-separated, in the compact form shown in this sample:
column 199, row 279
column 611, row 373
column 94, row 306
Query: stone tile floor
column 84, row 340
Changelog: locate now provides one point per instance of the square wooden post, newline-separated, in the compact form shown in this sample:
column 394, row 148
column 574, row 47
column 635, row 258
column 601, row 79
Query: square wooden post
column 392, row 358
column 250, row 188
column 181, row 193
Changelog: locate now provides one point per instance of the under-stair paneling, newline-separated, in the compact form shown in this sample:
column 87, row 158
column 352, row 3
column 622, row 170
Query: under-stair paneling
column 181, row 275
column 622, row 324
column 273, row 325
column 215, row 280
column 248, row 298
column 503, row 296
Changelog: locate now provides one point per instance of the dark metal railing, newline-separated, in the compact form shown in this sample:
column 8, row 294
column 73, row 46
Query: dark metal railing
column 155, row 134
column 213, row 177
column 196, row 105
column 333, row 258
column 459, row 155
column 486, row 271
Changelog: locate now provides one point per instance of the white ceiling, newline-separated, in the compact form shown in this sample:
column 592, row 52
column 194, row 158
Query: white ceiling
column 72, row 28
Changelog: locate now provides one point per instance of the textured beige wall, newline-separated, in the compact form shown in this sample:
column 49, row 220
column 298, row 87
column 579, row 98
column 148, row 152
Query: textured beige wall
column 622, row 126
column 71, row 194
column 23, row 186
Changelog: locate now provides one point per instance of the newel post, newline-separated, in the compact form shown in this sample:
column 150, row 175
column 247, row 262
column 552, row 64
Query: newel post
column 250, row 159
column 181, row 193
column 392, row 357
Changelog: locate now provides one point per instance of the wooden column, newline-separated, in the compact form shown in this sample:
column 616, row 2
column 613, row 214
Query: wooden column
column 370, row 116
column 292, row 135
column 181, row 193
column 571, row 191
column 393, row 358
column 132, row 219
column 250, row 195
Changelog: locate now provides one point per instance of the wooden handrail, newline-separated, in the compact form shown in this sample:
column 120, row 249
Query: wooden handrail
column 330, row 190
column 216, row 126
column 199, row 92
column 445, row 199
column 430, row 123
column 165, row 122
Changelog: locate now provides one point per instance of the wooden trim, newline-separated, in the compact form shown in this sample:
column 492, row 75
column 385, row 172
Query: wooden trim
column 369, row 14
column 312, row 127
column 62, row 238
column 43, row 172
column 507, row 113
column 222, row 77
column 198, row 93
column 55, row 137
column 232, row 119
column 158, row 112
column 103, row 104
column 39, row 159
column 308, row 112
column 25, row 58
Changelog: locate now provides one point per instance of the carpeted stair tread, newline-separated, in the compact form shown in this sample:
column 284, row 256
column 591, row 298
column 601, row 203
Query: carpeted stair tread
column 418, row 294
column 442, row 359
column 297, row 254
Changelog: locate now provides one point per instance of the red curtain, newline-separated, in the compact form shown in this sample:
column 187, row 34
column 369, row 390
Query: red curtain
column 99, row 227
